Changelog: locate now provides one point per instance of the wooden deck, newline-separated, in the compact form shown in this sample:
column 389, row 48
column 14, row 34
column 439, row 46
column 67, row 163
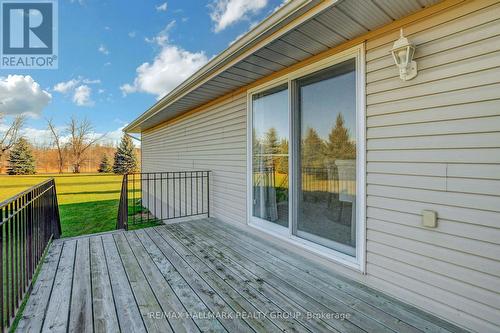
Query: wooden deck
column 203, row 276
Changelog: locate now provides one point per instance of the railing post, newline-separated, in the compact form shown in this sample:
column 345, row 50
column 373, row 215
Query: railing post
column 208, row 193
column 125, row 203
column 122, row 219
column 56, row 218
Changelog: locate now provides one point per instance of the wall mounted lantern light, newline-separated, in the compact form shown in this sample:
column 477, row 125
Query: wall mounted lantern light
column 402, row 52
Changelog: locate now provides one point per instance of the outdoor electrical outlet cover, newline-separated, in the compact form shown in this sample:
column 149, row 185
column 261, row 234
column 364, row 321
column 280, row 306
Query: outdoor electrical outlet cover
column 429, row 218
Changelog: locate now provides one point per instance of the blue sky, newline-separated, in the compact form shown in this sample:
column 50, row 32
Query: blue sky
column 116, row 58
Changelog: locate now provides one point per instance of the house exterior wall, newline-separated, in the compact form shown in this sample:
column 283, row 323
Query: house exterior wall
column 214, row 140
column 432, row 143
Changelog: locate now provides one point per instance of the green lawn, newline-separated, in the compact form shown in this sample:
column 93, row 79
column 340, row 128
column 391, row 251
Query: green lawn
column 88, row 203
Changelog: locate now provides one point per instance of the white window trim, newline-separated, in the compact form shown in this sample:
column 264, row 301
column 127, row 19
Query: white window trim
column 359, row 262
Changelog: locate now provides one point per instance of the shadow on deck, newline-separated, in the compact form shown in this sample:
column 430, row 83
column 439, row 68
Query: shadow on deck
column 203, row 275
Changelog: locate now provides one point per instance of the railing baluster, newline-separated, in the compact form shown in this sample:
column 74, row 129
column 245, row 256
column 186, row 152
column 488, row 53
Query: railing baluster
column 208, row 194
column 11, row 240
column 168, row 197
column 17, row 254
column 173, row 192
column 5, row 283
column 161, row 196
column 2, row 321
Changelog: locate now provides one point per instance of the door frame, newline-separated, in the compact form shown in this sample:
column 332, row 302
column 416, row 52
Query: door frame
column 357, row 262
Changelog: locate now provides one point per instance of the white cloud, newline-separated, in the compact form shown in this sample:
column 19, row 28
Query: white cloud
column 162, row 7
column 67, row 86
column 43, row 137
column 169, row 68
column 79, row 89
column 162, row 37
column 89, row 81
column 22, row 95
column 38, row 137
column 132, row 34
column 115, row 136
column 81, row 97
column 227, row 12
column 64, row 87
column 103, row 49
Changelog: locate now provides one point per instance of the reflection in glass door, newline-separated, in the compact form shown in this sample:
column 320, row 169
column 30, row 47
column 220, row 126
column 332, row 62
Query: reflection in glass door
column 270, row 134
column 326, row 163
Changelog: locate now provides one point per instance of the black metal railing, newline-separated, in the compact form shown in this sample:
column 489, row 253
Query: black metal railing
column 154, row 197
column 28, row 222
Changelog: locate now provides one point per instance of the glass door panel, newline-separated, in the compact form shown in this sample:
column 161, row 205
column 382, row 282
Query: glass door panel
column 326, row 161
column 270, row 132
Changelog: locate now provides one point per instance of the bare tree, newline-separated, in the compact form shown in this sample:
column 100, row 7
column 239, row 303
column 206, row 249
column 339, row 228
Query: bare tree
column 56, row 139
column 10, row 136
column 81, row 139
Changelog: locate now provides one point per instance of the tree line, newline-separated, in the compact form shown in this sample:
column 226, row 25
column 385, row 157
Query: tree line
column 272, row 152
column 71, row 145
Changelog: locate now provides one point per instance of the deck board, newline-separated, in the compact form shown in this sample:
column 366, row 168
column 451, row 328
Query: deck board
column 252, row 284
column 34, row 312
column 104, row 310
column 129, row 316
column 211, row 298
column 362, row 314
column 413, row 317
column 164, row 294
column 146, row 299
column 59, row 302
column 207, row 276
column 80, row 313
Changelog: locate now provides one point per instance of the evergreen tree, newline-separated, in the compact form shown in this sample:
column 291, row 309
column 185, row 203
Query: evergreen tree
column 21, row 160
column 105, row 165
column 313, row 149
column 339, row 145
column 125, row 159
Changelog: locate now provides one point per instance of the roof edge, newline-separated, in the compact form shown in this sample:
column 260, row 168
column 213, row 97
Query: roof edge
column 254, row 36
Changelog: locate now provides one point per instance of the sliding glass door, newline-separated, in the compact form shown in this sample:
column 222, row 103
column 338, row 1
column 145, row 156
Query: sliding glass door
column 326, row 161
column 307, row 157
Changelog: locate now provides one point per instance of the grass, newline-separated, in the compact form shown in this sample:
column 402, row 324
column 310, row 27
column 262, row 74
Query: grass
column 88, row 203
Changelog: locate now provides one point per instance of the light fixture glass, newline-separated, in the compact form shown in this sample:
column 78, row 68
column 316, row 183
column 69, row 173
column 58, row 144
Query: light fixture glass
column 402, row 52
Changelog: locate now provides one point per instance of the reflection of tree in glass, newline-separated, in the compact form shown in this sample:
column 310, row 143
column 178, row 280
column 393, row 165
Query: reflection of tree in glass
column 339, row 145
column 282, row 159
column 271, row 147
column 257, row 147
column 270, row 151
column 313, row 149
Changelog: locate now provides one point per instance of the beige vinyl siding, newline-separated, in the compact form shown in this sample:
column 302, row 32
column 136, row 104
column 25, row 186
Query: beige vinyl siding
column 434, row 143
column 214, row 140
